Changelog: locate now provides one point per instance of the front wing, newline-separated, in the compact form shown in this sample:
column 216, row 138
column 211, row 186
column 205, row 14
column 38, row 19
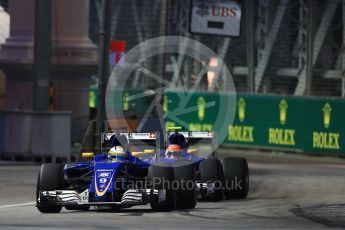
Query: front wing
column 130, row 198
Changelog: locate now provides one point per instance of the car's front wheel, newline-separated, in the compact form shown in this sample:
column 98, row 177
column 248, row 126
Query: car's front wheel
column 161, row 178
column 211, row 172
column 49, row 179
column 186, row 193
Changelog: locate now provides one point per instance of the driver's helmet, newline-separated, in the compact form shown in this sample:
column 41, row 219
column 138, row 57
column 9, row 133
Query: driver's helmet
column 173, row 151
column 118, row 152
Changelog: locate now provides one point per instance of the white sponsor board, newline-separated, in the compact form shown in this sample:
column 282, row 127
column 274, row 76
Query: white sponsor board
column 134, row 136
column 216, row 17
column 109, row 135
column 201, row 134
column 142, row 136
column 195, row 134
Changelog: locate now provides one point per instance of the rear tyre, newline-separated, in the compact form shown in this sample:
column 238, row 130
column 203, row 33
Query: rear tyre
column 186, row 194
column 236, row 177
column 49, row 179
column 161, row 178
column 211, row 171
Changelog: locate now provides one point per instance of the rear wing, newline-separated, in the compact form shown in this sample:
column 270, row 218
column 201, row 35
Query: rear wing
column 134, row 142
column 197, row 137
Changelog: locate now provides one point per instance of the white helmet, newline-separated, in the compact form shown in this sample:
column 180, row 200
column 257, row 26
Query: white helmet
column 117, row 151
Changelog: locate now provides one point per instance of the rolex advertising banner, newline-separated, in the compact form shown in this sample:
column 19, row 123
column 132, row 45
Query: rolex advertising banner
column 312, row 125
column 130, row 99
column 217, row 17
column 197, row 114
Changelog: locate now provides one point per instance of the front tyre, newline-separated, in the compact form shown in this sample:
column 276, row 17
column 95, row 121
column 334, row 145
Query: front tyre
column 49, row 179
column 186, row 194
column 160, row 177
column 236, row 177
column 211, row 171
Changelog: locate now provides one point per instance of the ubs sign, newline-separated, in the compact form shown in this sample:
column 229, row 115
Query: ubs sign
column 216, row 17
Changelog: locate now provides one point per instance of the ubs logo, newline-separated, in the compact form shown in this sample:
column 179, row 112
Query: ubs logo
column 202, row 10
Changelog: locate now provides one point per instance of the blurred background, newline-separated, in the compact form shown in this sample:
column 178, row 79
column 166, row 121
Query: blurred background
column 287, row 62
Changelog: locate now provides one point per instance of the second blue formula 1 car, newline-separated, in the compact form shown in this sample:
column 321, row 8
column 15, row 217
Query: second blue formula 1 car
column 216, row 179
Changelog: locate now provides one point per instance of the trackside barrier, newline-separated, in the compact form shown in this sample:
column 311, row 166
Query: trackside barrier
column 313, row 125
column 35, row 134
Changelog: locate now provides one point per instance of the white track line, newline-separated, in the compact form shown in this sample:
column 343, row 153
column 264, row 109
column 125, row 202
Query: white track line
column 17, row 205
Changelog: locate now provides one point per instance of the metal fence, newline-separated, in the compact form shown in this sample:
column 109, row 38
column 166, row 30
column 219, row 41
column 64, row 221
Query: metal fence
column 285, row 47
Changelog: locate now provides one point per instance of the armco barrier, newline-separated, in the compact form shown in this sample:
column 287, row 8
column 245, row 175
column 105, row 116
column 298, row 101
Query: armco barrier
column 51, row 134
column 35, row 134
column 16, row 132
column 314, row 125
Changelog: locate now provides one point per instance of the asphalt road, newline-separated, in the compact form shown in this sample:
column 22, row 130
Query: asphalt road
column 286, row 192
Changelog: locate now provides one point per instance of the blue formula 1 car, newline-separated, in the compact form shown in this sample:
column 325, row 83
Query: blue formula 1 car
column 216, row 179
column 133, row 170
column 129, row 171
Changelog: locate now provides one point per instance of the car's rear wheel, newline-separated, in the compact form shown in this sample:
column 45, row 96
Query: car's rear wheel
column 49, row 179
column 236, row 177
column 161, row 177
column 211, row 172
column 186, row 194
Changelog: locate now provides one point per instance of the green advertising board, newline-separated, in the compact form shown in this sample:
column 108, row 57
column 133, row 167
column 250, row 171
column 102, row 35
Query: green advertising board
column 201, row 118
column 314, row 125
column 200, row 111
column 93, row 96
column 131, row 99
column 307, row 124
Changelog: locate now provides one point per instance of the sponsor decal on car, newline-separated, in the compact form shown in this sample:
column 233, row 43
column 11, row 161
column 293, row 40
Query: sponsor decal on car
column 103, row 181
column 104, row 174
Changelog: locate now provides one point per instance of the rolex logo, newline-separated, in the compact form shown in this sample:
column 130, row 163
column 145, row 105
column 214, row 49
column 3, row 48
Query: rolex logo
column 125, row 102
column 165, row 104
column 327, row 109
column 283, row 111
column 241, row 104
column 201, row 108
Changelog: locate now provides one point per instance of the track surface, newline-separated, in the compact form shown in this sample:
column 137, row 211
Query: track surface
column 285, row 193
